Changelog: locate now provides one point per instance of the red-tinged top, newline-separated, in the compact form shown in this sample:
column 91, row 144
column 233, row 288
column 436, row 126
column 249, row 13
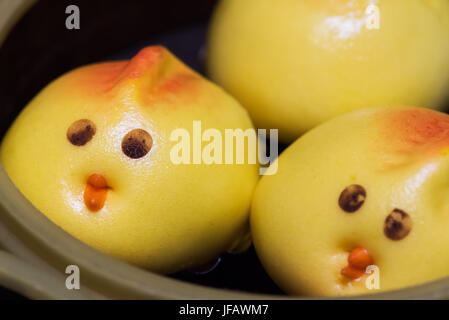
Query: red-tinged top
column 153, row 75
column 417, row 130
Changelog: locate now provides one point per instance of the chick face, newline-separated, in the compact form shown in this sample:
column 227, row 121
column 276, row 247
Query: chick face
column 92, row 152
column 365, row 189
column 297, row 63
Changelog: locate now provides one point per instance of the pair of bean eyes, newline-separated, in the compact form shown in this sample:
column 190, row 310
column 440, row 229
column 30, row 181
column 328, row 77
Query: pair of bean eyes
column 398, row 223
column 135, row 144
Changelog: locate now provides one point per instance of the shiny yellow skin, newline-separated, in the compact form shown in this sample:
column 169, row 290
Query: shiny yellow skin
column 296, row 63
column 303, row 237
column 157, row 215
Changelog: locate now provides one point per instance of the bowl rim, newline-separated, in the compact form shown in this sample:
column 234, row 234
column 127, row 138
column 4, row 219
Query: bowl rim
column 112, row 278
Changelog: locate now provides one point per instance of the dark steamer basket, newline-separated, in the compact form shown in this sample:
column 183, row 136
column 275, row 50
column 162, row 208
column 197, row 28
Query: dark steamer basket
column 35, row 49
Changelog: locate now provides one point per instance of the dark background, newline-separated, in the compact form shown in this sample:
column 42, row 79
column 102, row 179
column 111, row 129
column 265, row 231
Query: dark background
column 40, row 48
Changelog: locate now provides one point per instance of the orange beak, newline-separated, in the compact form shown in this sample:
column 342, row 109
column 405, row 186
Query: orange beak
column 95, row 192
column 358, row 260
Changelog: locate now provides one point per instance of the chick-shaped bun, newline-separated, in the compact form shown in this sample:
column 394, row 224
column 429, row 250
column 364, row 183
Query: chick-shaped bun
column 297, row 63
column 359, row 204
column 94, row 152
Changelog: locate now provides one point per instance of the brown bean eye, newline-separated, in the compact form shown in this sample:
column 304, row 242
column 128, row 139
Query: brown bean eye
column 137, row 143
column 352, row 198
column 397, row 225
column 81, row 132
